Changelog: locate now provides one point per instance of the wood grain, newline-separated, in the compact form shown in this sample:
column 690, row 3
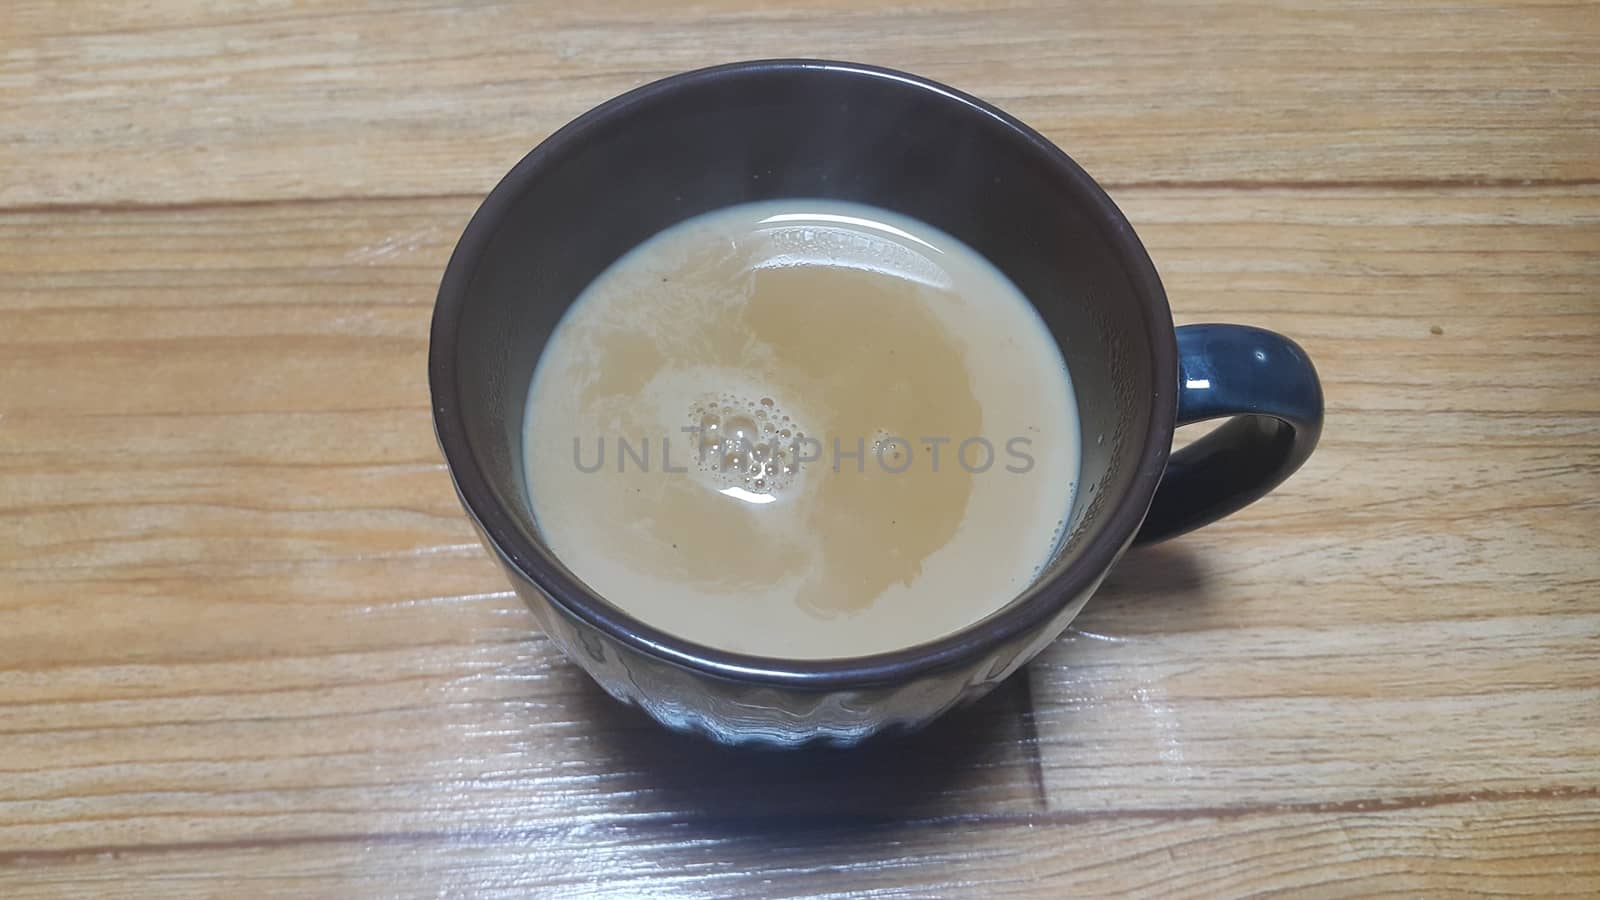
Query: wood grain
column 205, row 102
column 248, row 642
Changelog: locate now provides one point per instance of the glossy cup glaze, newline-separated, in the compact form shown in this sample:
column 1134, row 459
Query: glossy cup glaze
column 811, row 129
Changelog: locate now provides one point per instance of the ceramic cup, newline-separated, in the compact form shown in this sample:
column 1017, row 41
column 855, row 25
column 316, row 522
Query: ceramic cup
column 812, row 129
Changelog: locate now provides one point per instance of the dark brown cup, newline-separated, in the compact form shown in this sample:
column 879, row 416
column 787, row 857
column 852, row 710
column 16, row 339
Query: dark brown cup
column 810, row 129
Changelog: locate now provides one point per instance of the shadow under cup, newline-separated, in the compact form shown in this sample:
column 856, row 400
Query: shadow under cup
column 761, row 131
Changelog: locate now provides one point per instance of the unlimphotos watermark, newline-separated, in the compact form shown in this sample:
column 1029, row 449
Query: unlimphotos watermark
column 890, row 454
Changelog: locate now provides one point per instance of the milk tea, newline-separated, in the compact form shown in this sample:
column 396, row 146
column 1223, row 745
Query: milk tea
column 803, row 429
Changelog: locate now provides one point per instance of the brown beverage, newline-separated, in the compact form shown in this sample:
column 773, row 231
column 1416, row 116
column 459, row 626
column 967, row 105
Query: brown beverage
column 802, row 429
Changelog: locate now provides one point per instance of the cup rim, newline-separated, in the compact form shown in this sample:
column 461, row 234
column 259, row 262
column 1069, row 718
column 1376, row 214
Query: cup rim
column 1015, row 620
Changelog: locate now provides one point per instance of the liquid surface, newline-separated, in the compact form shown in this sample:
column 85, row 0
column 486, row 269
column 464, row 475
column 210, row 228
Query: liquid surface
column 802, row 429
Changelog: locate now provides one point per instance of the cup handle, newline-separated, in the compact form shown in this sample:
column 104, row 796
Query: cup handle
column 1266, row 383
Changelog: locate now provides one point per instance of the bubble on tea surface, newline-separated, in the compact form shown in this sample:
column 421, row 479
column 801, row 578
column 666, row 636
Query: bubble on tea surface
column 707, row 440
column 892, row 452
column 740, row 446
column 740, row 429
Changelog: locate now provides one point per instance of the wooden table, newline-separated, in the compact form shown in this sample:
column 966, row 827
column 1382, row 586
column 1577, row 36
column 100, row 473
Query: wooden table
column 250, row 647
